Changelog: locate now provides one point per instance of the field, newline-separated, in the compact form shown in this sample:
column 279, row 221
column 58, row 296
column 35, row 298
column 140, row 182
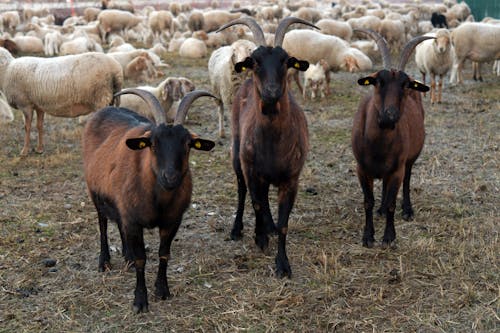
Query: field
column 443, row 275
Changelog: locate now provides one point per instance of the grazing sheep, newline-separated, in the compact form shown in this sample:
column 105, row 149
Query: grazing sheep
column 29, row 44
column 52, row 43
column 161, row 22
column 78, row 45
column 478, row 42
column 215, row 18
column 66, row 86
column 270, row 138
column 435, row 57
column 224, row 80
column 388, row 136
column 336, row 28
column 11, row 20
column 114, row 20
column 314, row 46
column 138, row 175
column 196, row 20
column 193, row 48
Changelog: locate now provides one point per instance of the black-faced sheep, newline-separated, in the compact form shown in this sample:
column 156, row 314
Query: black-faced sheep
column 387, row 137
column 270, row 138
column 66, row 86
column 137, row 174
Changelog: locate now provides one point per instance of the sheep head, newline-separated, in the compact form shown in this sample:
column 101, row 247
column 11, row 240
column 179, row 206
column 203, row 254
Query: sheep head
column 391, row 86
column 169, row 145
column 269, row 64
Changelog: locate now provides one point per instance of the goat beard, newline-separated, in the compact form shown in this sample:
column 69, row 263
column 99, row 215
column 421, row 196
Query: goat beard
column 270, row 109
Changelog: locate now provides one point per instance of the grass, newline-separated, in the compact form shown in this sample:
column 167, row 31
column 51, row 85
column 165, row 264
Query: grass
column 443, row 276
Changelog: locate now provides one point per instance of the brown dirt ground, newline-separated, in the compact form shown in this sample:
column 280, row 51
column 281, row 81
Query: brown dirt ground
column 442, row 277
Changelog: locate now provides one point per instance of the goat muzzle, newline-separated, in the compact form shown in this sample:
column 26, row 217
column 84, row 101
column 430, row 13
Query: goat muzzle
column 388, row 118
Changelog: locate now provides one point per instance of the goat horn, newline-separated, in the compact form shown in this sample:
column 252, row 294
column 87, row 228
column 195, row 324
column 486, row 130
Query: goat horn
column 408, row 49
column 186, row 102
column 151, row 101
column 258, row 34
column 283, row 26
column 381, row 43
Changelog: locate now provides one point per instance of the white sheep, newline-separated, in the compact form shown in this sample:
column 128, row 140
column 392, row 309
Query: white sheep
column 478, row 42
column 6, row 115
column 29, row 44
column 315, row 80
column 313, row 46
column 193, row 48
column 435, row 57
column 52, row 43
column 224, row 80
column 161, row 22
column 79, row 45
column 115, row 20
column 66, row 86
column 336, row 28
column 168, row 91
column 215, row 18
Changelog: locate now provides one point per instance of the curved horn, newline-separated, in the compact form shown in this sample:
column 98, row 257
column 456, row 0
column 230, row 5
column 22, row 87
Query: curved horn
column 382, row 45
column 258, row 34
column 283, row 26
column 186, row 102
column 408, row 49
column 151, row 101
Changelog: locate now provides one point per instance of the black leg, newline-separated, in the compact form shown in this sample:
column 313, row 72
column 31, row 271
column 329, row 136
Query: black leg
column 407, row 206
column 166, row 237
column 367, row 187
column 286, row 199
column 135, row 242
column 242, row 192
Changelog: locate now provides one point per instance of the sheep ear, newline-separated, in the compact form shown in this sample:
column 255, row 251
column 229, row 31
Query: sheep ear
column 366, row 81
column 300, row 65
column 243, row 65
column 202, row 144
column 138, row 143
column 419, row 86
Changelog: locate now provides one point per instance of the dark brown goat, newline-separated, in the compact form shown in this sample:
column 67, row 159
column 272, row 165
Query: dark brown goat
column 138, row 175
column 270, row 138
column 387, row 137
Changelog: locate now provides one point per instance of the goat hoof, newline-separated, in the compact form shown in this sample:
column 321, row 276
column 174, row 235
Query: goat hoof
column 368, row 243
column 283, row 269
column 162, row 293
column 262, row 241
column 139, row 307
column 236, row 235
column 106, row 266
column 389, row 244
column 407, row 214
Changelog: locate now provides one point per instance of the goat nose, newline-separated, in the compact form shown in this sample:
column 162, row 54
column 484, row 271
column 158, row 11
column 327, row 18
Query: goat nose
column 171, row 178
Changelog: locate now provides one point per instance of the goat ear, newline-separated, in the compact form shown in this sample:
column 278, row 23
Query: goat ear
column 419, row 86
column 366, row 81
column 243, row 65
column 202, row 144
column 138, row 143
column 300, row 65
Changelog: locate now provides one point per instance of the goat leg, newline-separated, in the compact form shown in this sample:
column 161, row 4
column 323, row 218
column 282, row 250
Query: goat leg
column 286, row 199
column 369, row 201
column 393, row 184
column 407, row 207
column 104, row 257
column 135, row 243
column 259, row 191
column 242, row 192
column 383, row 204
column 166, row 236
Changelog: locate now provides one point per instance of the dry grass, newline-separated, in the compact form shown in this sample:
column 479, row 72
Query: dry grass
column 442, row 277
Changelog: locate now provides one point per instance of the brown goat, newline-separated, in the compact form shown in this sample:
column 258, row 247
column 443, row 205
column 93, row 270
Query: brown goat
column 270, row 137
column 387, row 137
column 138, row 175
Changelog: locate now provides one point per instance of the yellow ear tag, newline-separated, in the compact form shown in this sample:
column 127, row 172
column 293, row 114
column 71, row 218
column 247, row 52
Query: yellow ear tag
column 142, row 144
column 296, row 65
column 367, row 82
column 197, row 144
column 415, row 84
column 243, row 68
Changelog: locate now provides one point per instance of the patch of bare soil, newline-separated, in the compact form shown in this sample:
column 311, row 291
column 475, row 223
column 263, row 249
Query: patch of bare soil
column 443, row 276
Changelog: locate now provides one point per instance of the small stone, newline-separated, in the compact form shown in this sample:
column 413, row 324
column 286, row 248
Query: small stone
column 49, row 262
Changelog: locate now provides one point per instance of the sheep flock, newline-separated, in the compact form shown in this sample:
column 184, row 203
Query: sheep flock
column 62, row 70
